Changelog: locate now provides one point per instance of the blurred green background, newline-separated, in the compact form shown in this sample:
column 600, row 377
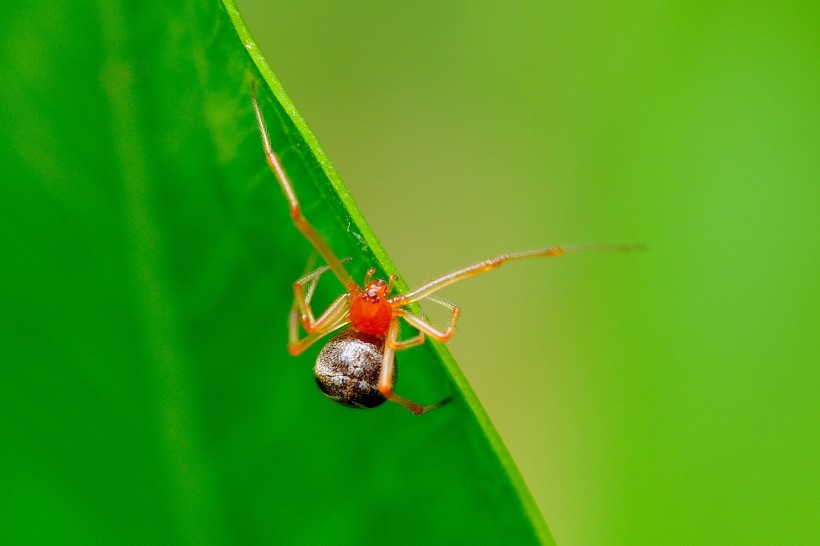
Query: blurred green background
column 668, row 397
column 661, row 398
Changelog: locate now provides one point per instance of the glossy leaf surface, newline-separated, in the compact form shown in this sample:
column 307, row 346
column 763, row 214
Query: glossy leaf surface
column 147, row 262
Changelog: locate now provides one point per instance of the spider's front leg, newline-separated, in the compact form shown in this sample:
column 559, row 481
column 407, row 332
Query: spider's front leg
column 301, row 223
column 335, row 316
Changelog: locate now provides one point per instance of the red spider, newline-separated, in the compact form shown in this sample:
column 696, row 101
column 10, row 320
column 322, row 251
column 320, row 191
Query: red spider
column 357, row 367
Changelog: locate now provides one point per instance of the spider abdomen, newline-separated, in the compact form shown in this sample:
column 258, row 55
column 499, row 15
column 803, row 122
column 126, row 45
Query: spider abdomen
column 348, row 367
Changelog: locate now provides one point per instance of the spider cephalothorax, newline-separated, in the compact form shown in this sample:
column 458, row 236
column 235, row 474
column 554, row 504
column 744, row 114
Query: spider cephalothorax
column 370, row 310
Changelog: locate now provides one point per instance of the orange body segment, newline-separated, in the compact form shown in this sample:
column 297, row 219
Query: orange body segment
column 371, row 317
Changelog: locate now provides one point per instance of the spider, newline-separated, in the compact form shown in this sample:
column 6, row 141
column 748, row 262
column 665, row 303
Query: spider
column 357, row 367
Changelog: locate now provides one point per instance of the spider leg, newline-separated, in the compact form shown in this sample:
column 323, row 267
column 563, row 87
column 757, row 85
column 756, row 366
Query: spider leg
column 409, row 342
column 297, row 345
column 425, row 327
column 439, row 301
column 488, row 265
column 386, row 375
column 333, row 317
column 301, row 312
column 301, row 223
column 312, row 278
column 337, row 309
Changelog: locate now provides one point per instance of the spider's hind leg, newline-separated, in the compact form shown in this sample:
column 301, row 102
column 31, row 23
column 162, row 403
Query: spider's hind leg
column 386, row 375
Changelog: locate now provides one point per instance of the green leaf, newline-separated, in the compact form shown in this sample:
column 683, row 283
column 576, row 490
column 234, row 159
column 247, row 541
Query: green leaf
column 147, row 261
